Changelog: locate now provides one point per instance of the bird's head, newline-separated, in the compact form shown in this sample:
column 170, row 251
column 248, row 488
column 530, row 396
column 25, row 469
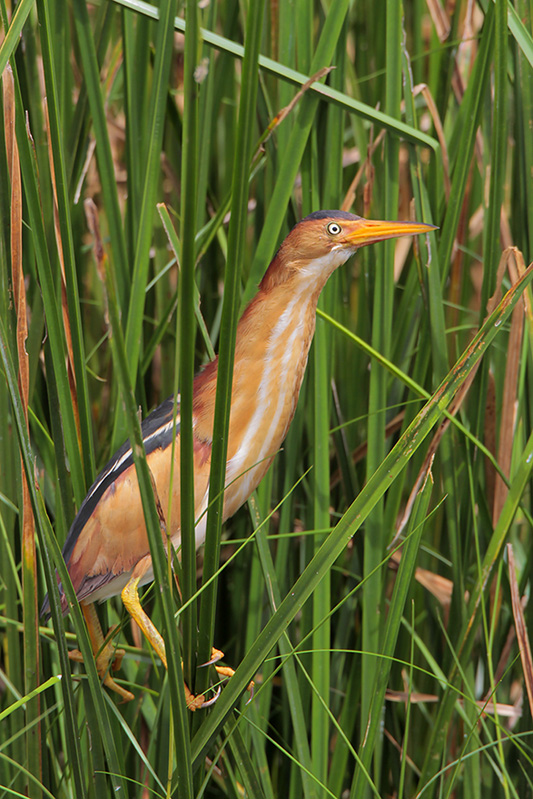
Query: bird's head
column 324, row 240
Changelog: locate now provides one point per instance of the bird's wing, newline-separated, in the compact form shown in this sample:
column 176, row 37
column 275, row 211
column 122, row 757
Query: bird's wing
column 108, row 536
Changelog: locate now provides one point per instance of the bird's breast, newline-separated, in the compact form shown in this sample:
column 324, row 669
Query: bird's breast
column 267, row 379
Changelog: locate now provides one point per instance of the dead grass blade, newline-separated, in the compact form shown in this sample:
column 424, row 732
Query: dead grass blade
column 521, row 629
column 29, row 561
column 17, row 275
column 286, row 110
column 512, row 260
column 503, row 710
column 349, row 198
column 64, row 304
column 424, row 89
column 515, row 264
column 437, row 585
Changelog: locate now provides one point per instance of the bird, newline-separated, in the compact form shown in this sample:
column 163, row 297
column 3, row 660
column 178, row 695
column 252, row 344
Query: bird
column 106, row 550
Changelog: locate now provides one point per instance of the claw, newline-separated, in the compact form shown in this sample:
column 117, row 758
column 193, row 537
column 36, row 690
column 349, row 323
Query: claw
column 251, row 692
column 209, row 702
column 216, row 655
column 224, row 671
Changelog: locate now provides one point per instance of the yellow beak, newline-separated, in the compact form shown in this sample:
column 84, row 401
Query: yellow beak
column 368, row 231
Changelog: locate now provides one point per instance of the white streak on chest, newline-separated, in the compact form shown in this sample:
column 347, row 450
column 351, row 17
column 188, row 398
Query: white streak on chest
column 276, row 398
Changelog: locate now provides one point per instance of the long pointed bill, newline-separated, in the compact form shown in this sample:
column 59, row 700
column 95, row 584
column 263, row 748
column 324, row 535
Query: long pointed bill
column 368, row 231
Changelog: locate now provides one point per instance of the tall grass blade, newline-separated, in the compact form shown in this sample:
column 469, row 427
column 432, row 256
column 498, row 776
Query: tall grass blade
column 382, row 670
column 186, row 331
column 235, row 255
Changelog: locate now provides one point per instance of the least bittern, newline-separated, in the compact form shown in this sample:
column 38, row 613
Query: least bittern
column 107, row 550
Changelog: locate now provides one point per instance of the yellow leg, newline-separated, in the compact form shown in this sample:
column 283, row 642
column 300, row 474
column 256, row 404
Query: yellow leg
column 130, row 597
column 106, row 655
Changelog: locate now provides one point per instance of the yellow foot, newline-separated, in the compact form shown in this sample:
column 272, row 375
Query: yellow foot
column 106, row 655
column 106, row 648
column 130, row 598
column 224, row 671
column 195, row 702
column 103, row 665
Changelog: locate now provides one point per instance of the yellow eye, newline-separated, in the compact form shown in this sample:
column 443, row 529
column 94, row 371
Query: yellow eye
column 334, row 228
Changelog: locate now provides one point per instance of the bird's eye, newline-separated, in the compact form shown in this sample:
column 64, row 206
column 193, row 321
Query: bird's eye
column 334, row 228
